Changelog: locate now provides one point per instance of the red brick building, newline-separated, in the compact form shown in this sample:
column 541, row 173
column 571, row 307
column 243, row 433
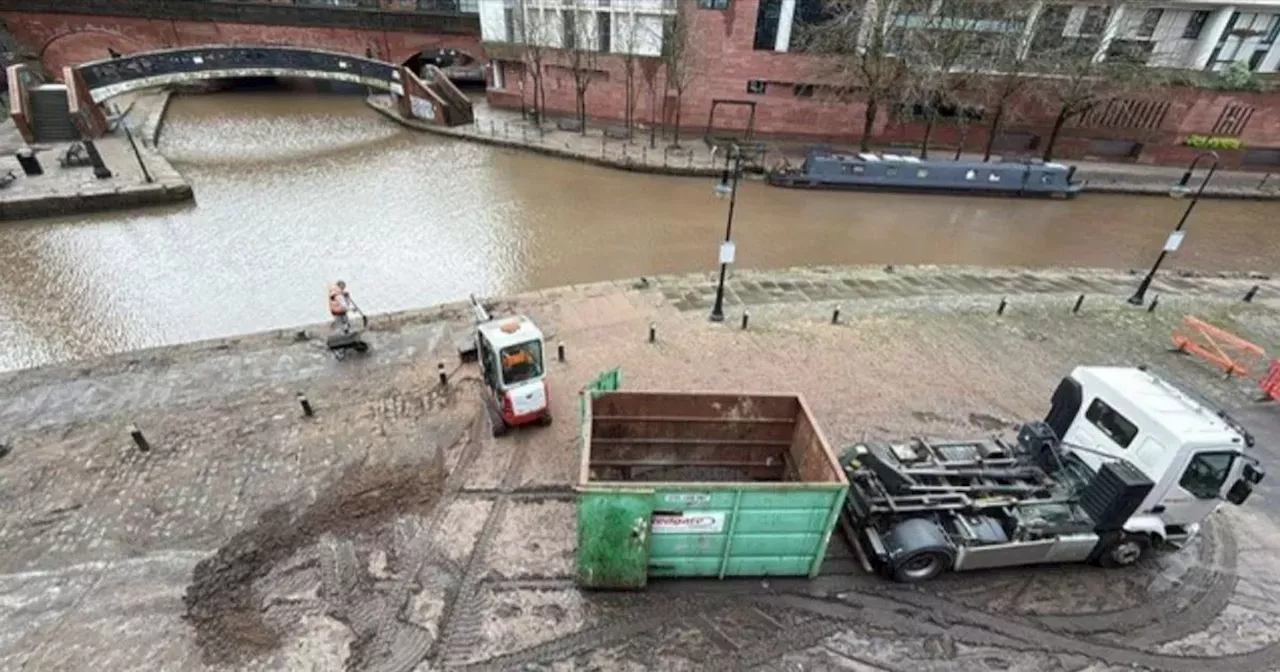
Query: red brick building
column 740, row 55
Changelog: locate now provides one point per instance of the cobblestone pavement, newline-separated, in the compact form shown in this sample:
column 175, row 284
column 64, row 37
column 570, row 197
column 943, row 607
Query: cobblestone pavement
column 609, row 146
column 390, row 532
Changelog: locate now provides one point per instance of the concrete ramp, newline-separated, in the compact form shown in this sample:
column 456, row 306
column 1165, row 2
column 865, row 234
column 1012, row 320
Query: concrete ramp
column 434, row 98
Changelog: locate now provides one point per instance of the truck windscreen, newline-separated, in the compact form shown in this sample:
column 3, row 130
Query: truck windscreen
column 521, row 362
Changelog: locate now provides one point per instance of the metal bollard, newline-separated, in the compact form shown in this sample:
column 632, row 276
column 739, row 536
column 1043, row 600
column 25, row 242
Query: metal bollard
column 1079, row 302
column 505, row 127
column 746, row 317
column 139, row 439
column 835, row 315
column 1154, row 302
column 653, row 332
column 1003, row 304
column 492, row 129
column 306, row 405
column 644, row 154
column 1253, row 291
column 444, row 377
column 560, row 351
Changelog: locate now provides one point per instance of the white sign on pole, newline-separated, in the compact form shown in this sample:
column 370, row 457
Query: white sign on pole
column 691, row 522
column 1175, row 239
column 727, row 251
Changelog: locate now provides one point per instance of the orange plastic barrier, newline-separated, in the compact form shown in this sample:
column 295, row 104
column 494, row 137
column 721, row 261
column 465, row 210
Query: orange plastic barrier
column 1270, row 383
column 1223, row 349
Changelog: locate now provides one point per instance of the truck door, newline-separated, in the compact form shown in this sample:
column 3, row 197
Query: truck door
column 613, row 538
column 1198, row 490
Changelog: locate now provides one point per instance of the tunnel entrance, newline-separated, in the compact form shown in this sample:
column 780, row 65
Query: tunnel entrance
column 460, row 67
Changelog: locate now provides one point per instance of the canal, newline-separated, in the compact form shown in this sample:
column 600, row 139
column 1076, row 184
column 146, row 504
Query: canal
column 296, row 190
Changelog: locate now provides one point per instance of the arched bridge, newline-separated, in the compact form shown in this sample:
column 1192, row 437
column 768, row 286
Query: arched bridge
column 111, row 77
column 431, row 98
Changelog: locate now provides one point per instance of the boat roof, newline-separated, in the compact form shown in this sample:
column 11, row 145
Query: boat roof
column 886, row 157
column 504, row 332
column 1184, row 417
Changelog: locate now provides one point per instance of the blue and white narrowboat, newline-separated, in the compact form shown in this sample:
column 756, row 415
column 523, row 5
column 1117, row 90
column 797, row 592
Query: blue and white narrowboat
column 823, row 169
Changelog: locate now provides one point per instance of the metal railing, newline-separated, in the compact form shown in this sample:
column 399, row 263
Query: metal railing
column 101, row 74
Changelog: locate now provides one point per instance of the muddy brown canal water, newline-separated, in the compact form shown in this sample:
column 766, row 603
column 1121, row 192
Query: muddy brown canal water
column 296, row 190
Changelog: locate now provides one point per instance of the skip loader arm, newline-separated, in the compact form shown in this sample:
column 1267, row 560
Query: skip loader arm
column 481, row 314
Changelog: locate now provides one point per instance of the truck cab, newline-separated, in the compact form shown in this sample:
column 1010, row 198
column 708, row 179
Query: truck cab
column 1193, row 453
column 510, row 350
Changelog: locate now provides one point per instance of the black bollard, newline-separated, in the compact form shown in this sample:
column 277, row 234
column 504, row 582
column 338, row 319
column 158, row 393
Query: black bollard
column 1253, row 291
column 746, row 317
column 653, row 332
column 100, row 169
column 1000, row 310
column 139, row 439
column 444, row 377
column 1079, row 302
column 28, row 161
column 306, row 405
column 560, row 351
column 1154, row 302
column 835, row 315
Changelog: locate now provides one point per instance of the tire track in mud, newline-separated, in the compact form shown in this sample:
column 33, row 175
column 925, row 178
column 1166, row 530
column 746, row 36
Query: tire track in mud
column 987, row 629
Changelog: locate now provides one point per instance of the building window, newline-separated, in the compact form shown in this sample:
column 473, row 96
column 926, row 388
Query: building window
column 720, row 5
column 1149, row 22
column 1195, row 25
column 570, row 39
column 757, row 86
column 1273, row 31
column 767, row 18
column 1095, row 20
column 1255, row 61
column 604, row 28
column 509, row 23
column 1109, row 422
column 802, row 90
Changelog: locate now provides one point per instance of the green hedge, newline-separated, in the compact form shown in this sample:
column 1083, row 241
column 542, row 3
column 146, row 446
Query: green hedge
column 1213, row 142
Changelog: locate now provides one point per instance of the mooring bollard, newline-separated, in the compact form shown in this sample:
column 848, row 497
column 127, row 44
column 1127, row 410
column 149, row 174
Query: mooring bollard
column 1079, row 302
column 1004, row 303
column 653, row 332
column 1253, row 291
column 835, row 315
column 746, row 317
column 306, row 405
column 560, row 351
column 444, row 377
column 1154, row 302
column 139, row 439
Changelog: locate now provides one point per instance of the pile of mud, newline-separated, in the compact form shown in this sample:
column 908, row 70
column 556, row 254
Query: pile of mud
column 221, row 603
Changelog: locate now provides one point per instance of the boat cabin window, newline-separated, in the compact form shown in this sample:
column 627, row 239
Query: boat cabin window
column 891, row 171
column 521, row 362
column 1109, row 422
column 922, row 173
column 971, row 175
column 1206, row 473
column 993, row 177
column 852, row 168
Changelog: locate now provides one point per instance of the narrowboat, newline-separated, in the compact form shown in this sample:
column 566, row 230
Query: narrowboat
column 823, row 169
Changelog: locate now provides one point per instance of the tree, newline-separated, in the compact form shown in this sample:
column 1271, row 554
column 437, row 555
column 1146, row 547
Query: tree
column 860, row 44
column 527, row 27
column 682, row 56
column 1010, row 61
column 581, row 45
column 941, row 51
column 630, row 34
column 1092, row 68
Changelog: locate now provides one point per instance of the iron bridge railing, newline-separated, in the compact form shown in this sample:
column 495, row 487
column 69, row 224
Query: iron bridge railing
column 101, row 74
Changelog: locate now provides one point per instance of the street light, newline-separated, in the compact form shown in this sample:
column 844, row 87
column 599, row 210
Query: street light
column 1175, row 239
column 728, row 187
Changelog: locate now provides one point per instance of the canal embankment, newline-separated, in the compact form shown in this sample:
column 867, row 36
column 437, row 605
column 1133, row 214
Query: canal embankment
column 138, row 178
column 609, row 147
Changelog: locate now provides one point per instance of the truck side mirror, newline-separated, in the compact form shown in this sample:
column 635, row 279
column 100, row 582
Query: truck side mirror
column 1254, row 474
column 1239, row 492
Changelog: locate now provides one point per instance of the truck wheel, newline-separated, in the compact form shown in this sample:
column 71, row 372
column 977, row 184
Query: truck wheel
column 921, row 566
column 1126, row 551
column 545, row 420
column 495, row 420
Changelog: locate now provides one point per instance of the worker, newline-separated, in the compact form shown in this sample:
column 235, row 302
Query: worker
column 339, row 303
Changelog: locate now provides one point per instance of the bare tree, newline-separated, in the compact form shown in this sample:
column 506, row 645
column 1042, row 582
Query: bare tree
column 861, row 43
column 682, row 56
column 649, row 69
column 527, row 29
column 630, row 34
column 1094, row 67
column 942, row 52
column 1008, row 62
column 581, row 45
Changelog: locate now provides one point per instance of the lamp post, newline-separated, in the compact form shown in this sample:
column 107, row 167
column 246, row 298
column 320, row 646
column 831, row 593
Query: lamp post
column 728, row 187
column 1175, row 239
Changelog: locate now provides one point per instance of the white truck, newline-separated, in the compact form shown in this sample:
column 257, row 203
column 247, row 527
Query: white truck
column 1124, row 463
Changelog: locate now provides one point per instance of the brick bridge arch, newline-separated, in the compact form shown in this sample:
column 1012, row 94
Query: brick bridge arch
column 90, row 84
